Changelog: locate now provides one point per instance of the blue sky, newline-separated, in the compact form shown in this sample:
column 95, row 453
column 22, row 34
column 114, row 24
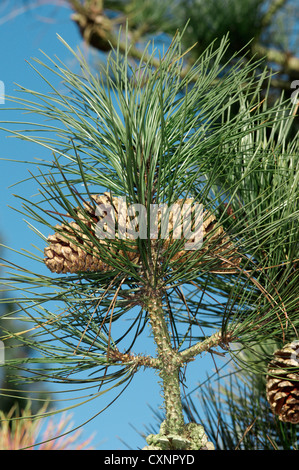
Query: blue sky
column 21, row 38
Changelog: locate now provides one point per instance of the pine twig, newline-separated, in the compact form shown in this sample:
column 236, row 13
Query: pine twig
column 272, row 10
column 284, row 59
column 214, row 340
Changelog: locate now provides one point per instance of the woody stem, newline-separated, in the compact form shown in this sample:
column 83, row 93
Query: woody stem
column 169, row 363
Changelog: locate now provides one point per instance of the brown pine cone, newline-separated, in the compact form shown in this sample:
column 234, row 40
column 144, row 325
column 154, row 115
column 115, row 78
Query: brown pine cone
column 216, row 246
column 72, row 250
column 283, row 383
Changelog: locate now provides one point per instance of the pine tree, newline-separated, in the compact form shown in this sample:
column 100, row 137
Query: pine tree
column 149, row 135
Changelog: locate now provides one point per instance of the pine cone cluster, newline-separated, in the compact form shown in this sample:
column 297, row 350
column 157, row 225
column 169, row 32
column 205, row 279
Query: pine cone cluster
column 74, row 247
column 283, row 383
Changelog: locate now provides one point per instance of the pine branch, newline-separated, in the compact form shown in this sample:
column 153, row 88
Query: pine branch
column 137, row 360
column 287, row 61
column 274, row 6
column 98, row 31
column 214, row 340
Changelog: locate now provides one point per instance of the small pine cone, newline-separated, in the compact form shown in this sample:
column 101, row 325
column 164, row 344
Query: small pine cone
column 216, row 244
column 71, row 250
column 283, row 383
